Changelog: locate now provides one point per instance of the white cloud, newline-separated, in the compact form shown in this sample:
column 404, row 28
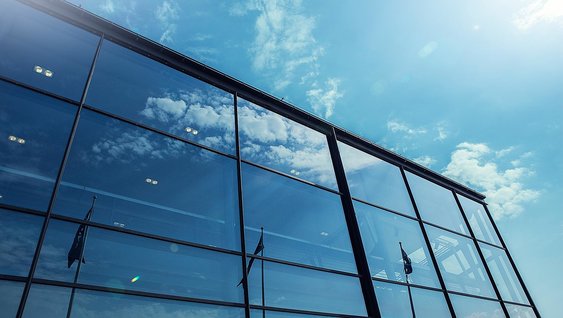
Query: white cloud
column 426, row 161
column 428, row 49
column 167, row 13
column 442, row 133
column 323, row 100
column 538, row 11
column 506, row 193
column 400, row 127
column 108, row 6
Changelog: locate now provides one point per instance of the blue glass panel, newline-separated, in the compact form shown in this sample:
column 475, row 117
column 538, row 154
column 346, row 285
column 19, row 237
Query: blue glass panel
column 147, row 182
column 272, row 140
column 429, row 303
column 18, row 238
column 11, row 294
column 53, row 259
column 479, row 220
column 374, row 180
column 47, row 301
column 133, row 86
column 301, row 223
column 381, row 233
column 515, row 311
column 44, row 52
column 34, row 131
column 469, row 307
column 393, row 301
column 299, row 288
column 256, row 313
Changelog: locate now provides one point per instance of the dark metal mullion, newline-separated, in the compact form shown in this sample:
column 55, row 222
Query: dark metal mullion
column 489, row 243
column 368, row 291
column 304, row 312
column 428, row 245
column 294, row 264
column 39, row 90
column 385, row 209
column 448, row 230
column 13, row 208
column 517, row 304
column 35, row 260
column 474, row 296
column 384, row 280
column 13, row 278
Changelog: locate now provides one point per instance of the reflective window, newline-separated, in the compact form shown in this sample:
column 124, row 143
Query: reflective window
column 10, row 300
column 301, row 223
column 459, row 263
column 515, row 311
column 503, row 274
column 479, row 220
column 381, row 233
column 469, row 307
column 44, row 52
column 134, row 86
column 374, row 180
column 436, row 204
column 34, row 131
column 19, row 234
column 89, row 304
column 429, row 303
column 47, row 301
column 272, row 140
column 148, row 182
column 256, row 313
column 305, row 289
column 393, row 301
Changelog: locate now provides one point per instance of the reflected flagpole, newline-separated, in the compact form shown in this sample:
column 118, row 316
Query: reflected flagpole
column 407, row 267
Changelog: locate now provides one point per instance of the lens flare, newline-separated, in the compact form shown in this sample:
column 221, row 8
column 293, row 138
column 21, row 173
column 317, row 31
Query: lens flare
column 134, row 279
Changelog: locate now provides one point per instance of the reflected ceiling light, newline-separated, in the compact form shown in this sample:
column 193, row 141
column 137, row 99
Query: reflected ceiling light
column 21, row 141
column 191, row 130
column 17, row 139
column 40, row 70
column 154, row 182
column 295, row 172
column 151, row 181
column 148, row 180
column 48, row 73
column 195, row 132
column 118, row 224
column 324, row 233
column 188, row 129
column 12, row 138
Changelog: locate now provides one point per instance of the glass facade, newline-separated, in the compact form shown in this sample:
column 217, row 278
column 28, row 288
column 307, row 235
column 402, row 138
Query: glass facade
column 126, row 190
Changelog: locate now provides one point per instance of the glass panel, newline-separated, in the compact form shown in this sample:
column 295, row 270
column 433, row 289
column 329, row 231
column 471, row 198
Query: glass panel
column 479, row 220
column 151, row 183
column 256, row 313
column 429, row 303
column 134, row 86
column 374, row 180
column 436, row 204
column 44, row 52
column 31, row 148
column 381, row 233
column 459, row 263
column 469, row 307
column 301, row 223
column 89, row 304
column 516, row 311
column 394, row 302
column 299, row 288
column 10, row 300
column 272, row 140
column 53, row 258
column 19, row 234
column 47, row 301
column 503, row 274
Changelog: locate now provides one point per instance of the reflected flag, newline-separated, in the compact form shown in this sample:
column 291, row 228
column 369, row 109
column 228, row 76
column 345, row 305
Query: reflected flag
column 75, row 251
column 259, row 248
column 406, row 260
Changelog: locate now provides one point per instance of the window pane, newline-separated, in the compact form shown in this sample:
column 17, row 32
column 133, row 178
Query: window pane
column 374, row 180
column 429, row 303
column 299, row 288
column 256, row 313
column 47, row 301
column 479, row 220
column 503, row 274
column 31, row 148
column 108, row 305
column 19, row 234
column 301, row 223
column 459, row 263
column 516, row 311
column 151, row 183
column 436, row 204
column 44, row 52
column 394, row 302
column 381, row 233
column 11, row 294
column 469, row 307
column 272, row 140
column 134, row 86
column 53, row 258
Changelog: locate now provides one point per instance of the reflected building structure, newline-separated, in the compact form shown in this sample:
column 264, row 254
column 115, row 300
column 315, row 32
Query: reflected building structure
column 186, row 166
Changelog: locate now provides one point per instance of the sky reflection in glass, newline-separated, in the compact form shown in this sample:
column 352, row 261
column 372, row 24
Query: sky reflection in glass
column 469, row 307
column 479, row 220
column 11, row 293
column 47, row 301
column 515, row 311
column 393, row 301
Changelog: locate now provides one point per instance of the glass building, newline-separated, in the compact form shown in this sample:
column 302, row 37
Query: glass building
column 136, row 182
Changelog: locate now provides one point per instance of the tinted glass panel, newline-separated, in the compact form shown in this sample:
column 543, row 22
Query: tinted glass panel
column 374, row 180
column 515, row 311
column 300, row 288
column 301, row 223
column 479, row 220
column 429, row 303
column 148, row 182
column 279, row 143
column 133, row 86
column 503, row 274
column 436, row 204
column 459, row 263
column 89, row 304
column 18, row 238
column 394, row 302
column 469, row 307
column 381, row 233
column 255, row 313
column 31, row 147
column 47, row 301
column 11, row 293
column 44, row 52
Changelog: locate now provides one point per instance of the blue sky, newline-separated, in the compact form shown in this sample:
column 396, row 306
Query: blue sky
column 472, row 89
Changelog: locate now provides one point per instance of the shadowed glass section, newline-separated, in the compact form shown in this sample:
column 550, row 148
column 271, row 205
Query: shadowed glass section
column 515, row 311
column 34, row 131
column 469, row 307
column 274, row 141
column 43, row 51
column 381, row 233
column 459, row 263
column 503, row 274
column 89, row 304
column 147, row 182
column 302, row 223
column 299, row 288
column 19, row 234
column 134, row 86
column 11, row 293
column 479, row 220
column 47, row 301
column 256, row 313
column 393, row 301
column 374, row 180
column 436, row 204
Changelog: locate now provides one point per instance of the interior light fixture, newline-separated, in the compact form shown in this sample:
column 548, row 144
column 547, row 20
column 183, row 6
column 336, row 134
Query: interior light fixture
column 191, row 130
column 12, row 138
column 48, row 73
column 148, row 180
column 151, row 181
column 17, row 139
column 195, row 132
column 38, row 69
column 188, row 129
column 154, row 182
column 21, row 141
column 324, row 233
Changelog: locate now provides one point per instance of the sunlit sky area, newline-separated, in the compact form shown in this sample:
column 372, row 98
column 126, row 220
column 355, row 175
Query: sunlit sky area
column 471, row 89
